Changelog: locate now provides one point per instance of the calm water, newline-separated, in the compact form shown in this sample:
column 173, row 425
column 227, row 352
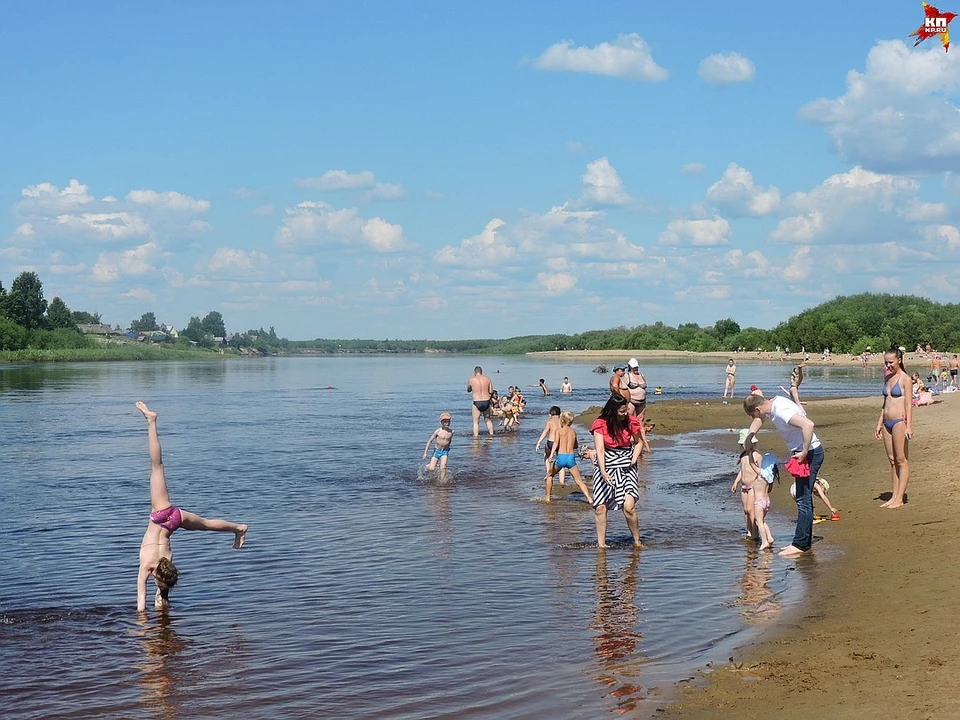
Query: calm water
column 366, row 589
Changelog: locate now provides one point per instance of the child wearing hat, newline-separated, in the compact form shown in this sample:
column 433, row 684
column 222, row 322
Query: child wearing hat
column 441, row 439
column 748, row 475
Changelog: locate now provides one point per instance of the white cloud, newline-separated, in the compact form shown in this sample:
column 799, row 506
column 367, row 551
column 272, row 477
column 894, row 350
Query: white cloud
column 736, row 193
column 385, row 191
column 575, row 147
column 725, row 69
column 798, row 265
column 144, row 295
column 488, row 248
column 263, row 211
column 602, row 185
column 48, row 197
column 170, row 200
column 233, row 259
column 703, row 293
column 104, row 226
column 626, row 57
column 111, row 266
column 339, row 180
column 895, row 116
column 856, row 206
column 707, row 232
column 693, row 168
column 557, row 283
column 317, row 223
column 751, row 264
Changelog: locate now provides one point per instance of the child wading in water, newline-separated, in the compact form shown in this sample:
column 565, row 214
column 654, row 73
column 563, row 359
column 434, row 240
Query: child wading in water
column 441, row 438
column 564, row 455
column 769, row 473
column 156, row 556
column 748, row 476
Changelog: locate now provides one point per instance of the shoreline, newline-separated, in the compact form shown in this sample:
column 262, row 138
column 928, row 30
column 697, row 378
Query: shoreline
column 875, row 635
column 845, row 360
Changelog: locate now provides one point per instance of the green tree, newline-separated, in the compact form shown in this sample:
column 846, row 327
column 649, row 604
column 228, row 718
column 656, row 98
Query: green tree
column 59, row 315
column 3, row 301
column 81, row 317
column 213, row 325
column 146, row 323
column 12, row 336
column 193, row 330
column 724, row 329
column 25, row 304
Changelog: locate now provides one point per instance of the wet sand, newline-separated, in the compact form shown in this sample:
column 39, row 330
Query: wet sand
column 876, row 636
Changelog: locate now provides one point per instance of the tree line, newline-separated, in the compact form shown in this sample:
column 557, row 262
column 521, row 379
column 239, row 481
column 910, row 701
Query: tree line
column 847, row 324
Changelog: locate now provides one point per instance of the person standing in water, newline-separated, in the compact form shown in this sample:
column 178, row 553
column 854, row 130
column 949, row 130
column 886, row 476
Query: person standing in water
column 731, row 380
column 156, row 555
column 565, row 386
column 482, row 388
column 441, row 439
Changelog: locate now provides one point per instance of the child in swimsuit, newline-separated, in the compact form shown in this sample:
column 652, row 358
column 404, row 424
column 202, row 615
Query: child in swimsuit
column 895, row 425
column 748, row 475
column 769, row 473
column 441, row 449
column 156, row 555
column 564, row 456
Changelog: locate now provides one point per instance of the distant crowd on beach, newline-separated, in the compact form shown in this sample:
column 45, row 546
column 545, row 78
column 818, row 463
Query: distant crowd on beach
column 620, row 440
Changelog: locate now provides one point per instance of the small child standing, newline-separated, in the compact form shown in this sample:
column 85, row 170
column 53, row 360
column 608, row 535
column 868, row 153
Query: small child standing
column 441, row 438
column 769, row 473
column 748, row 475
column 550, row 429
column 564, row 456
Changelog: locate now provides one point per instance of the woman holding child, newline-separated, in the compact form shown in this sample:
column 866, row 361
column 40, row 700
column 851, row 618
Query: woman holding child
column 616, row 484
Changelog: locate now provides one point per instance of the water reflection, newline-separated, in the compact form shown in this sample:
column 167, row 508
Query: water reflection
column 617, row 638
column 758, row 603
column 160, row 674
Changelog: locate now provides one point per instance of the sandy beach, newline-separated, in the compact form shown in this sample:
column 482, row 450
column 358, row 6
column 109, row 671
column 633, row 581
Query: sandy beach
column 875, row 637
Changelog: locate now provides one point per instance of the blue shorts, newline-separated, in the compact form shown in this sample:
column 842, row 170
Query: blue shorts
column 566, row 460
column 441, row 453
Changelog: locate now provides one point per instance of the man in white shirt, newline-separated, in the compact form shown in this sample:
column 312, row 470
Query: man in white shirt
column 804, row 445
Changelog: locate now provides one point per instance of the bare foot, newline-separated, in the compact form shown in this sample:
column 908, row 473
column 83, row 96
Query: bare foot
column 147, row 412
column 546, row 498
column 790, row 551
column 602, row 546
column 891, row 505
column 637, row 545
column 765, row 545
column 886, row 504
column 240, row 535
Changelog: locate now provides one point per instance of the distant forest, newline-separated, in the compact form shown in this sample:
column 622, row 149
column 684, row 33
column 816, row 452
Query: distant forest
column 845, row 325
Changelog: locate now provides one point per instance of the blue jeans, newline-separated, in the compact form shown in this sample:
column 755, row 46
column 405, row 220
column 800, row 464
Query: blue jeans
column 803, row 537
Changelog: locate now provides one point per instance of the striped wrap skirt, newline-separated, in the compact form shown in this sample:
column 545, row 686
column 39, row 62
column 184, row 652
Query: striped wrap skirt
column 623, row 477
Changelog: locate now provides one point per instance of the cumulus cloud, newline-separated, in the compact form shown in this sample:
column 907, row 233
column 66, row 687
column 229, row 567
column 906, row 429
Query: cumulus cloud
column 48, row 198
column 144, row 295
column 725, row 69
column 856, row 206
column 111, row 266
column 896, row 116
column 626, row 57
column 318, row 223
column 227, row 259
column 168, row 200
column 104, row 226
column 736, row 193
column 557, row 283
column 487, row 248
column 602, row 185
column 701, row 233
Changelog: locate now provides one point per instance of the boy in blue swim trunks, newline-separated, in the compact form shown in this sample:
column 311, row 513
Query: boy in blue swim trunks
column 564, row 455
column 441, row 438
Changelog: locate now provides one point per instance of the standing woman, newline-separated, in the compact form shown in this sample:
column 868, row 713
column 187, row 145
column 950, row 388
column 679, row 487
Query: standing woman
column 637, row 387
column 616, row 484
column 895, row 426
column 731, row 371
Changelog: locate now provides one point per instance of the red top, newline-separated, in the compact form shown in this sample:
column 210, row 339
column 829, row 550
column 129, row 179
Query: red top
column 623, row 439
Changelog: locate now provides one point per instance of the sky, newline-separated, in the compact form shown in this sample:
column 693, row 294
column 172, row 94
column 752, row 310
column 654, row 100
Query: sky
column 439, row 170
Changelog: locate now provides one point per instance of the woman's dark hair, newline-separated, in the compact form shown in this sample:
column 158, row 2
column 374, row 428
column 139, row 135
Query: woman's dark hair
column 166, row 573
column 616, row 423
column 898, row 353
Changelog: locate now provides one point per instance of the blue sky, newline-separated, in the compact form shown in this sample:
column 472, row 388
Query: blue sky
column 450, row 170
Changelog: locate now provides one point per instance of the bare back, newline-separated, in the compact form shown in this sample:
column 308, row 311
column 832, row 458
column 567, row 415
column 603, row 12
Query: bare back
column 481, row 386
column 566, row 440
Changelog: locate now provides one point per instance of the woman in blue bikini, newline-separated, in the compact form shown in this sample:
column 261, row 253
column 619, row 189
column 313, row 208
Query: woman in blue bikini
column 895, row 424
column 156, row 557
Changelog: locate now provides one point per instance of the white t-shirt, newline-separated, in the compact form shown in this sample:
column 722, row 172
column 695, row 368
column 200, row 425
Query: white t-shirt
column 781, row 411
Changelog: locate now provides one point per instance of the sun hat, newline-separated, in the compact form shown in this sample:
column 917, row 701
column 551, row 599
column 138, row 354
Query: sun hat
column 824, row 484
column 797, row 468
column 619, row 366
column 633, row 363
column 744, row 434
column 444, row 416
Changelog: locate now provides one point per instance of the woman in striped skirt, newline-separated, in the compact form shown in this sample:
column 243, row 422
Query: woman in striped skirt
column 616, row 484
